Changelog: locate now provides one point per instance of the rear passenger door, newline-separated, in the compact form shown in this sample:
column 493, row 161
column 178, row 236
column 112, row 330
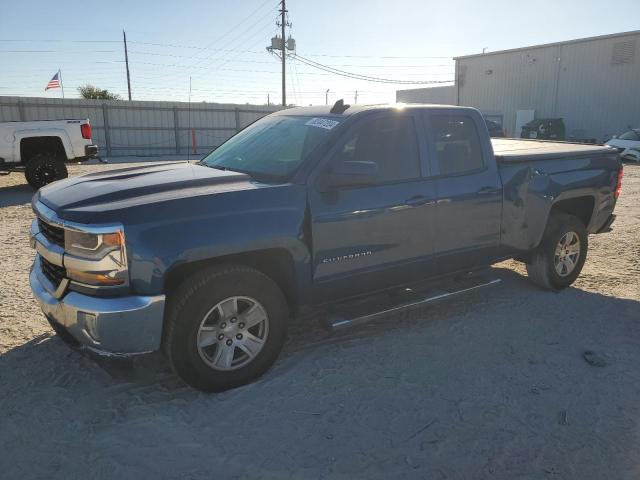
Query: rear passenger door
column 374, row 236
column 468, row 190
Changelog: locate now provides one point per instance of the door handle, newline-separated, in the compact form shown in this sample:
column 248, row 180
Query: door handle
column 487, row 191
column 418, row 200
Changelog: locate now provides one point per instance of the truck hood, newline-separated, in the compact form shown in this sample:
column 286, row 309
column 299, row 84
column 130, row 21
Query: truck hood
column 87, row 198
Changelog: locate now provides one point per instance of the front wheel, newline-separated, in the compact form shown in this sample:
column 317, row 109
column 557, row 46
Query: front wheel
column 225, row 326
column 43, row 169
column 559, row 258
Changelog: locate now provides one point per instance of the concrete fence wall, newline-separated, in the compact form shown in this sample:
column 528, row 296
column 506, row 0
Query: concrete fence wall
column 142, row 128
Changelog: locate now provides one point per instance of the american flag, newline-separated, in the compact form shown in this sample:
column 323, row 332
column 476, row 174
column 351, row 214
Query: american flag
column 54, row 82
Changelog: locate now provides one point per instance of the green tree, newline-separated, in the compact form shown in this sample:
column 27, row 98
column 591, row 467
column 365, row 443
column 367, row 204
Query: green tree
column 91, row 92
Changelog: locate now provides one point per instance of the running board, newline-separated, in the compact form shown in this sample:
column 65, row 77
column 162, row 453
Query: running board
column 355, row 313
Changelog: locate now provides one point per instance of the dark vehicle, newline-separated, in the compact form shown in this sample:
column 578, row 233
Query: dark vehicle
column 544, row 129
column 495, row 129
column 351, row 208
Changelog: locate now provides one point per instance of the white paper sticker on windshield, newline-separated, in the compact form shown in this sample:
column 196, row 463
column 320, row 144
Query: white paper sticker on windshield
column 322, row 123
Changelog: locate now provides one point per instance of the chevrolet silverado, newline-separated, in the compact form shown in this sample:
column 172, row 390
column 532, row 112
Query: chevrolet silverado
column 314, row 206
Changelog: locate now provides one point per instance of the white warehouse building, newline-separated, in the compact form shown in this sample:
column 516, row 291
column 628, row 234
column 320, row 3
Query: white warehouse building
column 592, row 83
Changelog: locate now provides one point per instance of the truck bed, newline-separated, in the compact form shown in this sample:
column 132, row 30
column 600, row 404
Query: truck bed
column 514, row 150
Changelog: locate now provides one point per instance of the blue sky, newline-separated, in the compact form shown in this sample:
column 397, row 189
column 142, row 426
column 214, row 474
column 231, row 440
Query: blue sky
column 221, row 43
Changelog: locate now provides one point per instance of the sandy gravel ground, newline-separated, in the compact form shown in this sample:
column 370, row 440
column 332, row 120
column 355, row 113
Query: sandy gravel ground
column 489, row 386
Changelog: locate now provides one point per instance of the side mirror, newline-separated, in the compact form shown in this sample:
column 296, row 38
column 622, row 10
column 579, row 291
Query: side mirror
column 350, row 174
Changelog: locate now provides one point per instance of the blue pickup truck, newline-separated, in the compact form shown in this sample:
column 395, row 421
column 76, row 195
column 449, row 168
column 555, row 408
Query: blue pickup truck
column 335, row 206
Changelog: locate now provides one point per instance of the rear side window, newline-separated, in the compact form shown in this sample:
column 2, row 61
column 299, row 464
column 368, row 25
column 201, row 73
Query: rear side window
column 390, row 142
column 457, row 144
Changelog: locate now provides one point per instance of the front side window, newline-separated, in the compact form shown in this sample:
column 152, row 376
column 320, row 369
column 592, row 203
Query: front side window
column 390, row 142
column 273, row 147
column 457, row 144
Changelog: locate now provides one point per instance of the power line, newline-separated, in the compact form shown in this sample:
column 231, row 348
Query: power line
column 367, row 78
column 156, row 54
column 58, row 51
column 169, row 65
column 137, row 52
column 199, row 47
column 210, row 58
column 237, row 25
column 423, row 65
column 258, row 33
column 368, row 56
column 206, row 71
column 32, row 40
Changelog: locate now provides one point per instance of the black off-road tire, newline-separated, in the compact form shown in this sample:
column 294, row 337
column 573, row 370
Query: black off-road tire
column 43, row 169
column 541, row 267
column 189, row 303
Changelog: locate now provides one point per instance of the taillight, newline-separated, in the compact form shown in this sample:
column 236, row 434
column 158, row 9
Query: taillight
column 85, row 129
column 619, row 184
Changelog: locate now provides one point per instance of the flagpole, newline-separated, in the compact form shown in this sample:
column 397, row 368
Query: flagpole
column 61, row 85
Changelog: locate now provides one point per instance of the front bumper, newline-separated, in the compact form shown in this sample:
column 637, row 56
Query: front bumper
column 110, row 326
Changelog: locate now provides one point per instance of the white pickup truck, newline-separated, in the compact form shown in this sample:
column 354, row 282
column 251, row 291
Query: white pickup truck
column 41, row 148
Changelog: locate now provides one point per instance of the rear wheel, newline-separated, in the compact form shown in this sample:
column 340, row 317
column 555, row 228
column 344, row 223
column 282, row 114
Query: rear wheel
column 43, row 169
column 559, row 258
column 225, row 326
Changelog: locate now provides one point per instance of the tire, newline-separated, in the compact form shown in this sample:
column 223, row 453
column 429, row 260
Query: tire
column 43, row 169
column 549, row 271
column 199, row 303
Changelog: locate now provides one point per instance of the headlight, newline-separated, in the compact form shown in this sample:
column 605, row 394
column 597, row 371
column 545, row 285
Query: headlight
column 96, row 258
column 92, row 245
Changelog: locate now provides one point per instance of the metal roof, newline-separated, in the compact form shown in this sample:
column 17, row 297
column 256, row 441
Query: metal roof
column 554, row 44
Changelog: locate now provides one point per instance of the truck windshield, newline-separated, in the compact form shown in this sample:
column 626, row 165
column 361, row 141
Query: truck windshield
column 272, row 148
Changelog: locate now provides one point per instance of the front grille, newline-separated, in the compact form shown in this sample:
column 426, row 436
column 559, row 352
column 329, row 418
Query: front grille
column 54, row 273
column 51, row 232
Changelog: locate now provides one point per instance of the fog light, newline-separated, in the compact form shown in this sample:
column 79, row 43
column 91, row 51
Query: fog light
column 89, row 323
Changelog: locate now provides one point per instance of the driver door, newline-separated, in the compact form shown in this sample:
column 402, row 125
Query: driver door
column 370, row 237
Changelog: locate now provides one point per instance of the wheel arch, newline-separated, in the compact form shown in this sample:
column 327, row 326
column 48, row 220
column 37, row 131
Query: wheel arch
column 275, row 263
column 30, row 146
column 581, row 207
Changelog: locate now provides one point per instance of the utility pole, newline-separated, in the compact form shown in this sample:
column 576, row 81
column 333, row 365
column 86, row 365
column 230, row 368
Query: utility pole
column 283, row 12
column 355, row 100
column 283, row 45
column 268, row 100
column 126, row 61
